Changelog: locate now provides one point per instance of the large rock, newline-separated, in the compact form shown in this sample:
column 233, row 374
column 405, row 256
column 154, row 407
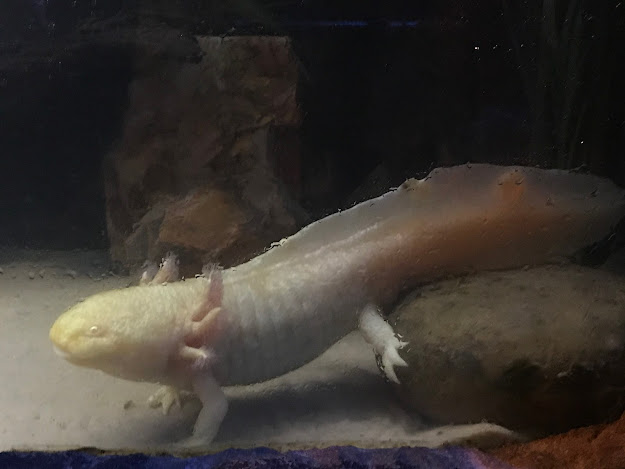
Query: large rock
column 538, row 350
column 203, row 149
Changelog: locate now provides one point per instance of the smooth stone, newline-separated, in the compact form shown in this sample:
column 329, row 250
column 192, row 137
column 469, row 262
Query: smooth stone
column 538, row 350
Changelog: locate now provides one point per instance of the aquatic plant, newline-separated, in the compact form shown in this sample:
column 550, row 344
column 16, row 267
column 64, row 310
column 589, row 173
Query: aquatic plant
column 561, row 47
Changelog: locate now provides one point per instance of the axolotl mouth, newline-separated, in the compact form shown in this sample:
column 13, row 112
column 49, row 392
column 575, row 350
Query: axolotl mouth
column 62, row 344
column 59, row 339
column 60, row 352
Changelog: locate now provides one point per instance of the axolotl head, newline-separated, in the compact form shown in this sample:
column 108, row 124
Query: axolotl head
column 129, row 333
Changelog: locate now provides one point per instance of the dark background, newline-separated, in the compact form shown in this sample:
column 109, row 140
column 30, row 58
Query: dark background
column 409, row 85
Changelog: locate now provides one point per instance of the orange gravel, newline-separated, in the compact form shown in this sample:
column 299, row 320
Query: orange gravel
column 597, row 446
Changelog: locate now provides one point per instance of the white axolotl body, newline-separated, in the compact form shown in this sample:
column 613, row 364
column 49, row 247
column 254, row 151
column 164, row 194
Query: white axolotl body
column 285, row 307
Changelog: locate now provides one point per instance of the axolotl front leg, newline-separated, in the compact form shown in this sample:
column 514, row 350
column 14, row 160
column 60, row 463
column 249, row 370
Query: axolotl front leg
column 193, row 356
column 165, row 396
column 206, row 324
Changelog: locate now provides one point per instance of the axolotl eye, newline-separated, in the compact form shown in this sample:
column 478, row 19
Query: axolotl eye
column 95, row 331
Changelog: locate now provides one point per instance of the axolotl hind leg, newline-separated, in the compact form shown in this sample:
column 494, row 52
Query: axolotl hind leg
column 381, row 336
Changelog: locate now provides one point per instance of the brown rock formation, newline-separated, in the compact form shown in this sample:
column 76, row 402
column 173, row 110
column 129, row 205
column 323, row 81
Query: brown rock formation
column 198, row 166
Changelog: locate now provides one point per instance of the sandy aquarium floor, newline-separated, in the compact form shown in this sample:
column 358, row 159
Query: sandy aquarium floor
column 46, row 403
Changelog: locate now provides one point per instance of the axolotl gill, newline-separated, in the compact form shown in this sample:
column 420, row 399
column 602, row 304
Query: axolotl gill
column 280, row 310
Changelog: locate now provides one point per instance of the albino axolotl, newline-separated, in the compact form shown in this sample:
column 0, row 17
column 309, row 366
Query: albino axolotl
column 280, row 310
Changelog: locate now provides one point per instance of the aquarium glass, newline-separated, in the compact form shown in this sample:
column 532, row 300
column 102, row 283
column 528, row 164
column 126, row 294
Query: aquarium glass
column 302, row 224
